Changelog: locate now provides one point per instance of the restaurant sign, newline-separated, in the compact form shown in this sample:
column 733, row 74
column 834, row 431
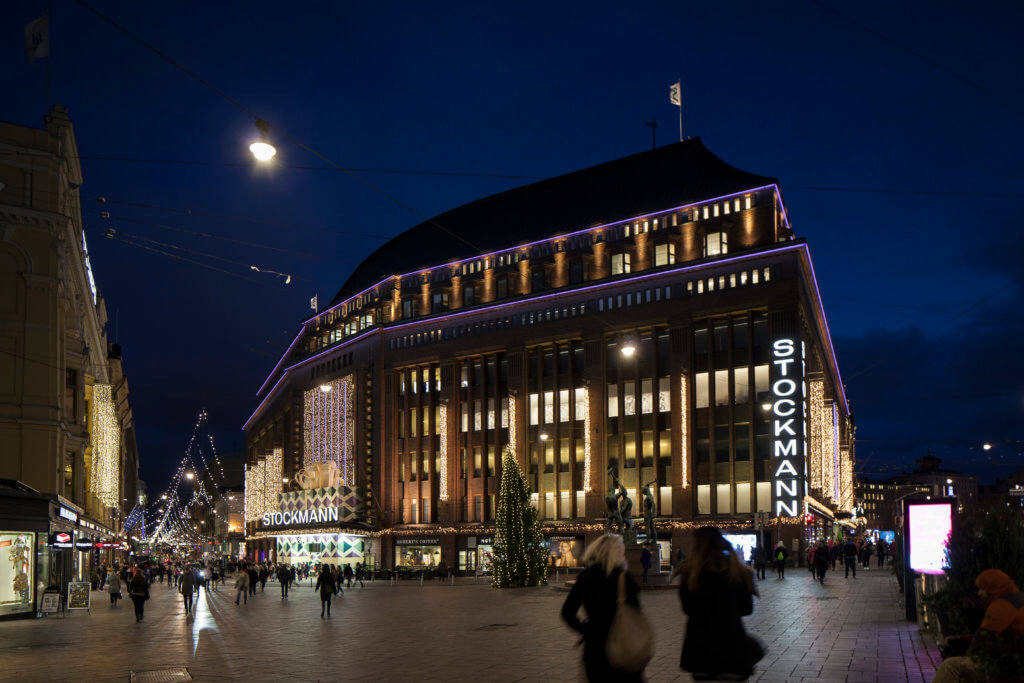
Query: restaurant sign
column 62, row 540
column 418, row 541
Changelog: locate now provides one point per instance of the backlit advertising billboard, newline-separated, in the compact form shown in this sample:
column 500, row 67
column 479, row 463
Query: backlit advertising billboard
column 928, row 528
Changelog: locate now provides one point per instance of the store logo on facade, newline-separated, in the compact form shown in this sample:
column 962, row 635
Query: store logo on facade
column 61, row 540
column 300, row 517
column 787, row 426
column 69, row 515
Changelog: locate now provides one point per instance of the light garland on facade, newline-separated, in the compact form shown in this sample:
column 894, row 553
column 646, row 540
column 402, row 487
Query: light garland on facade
column 828, row 461
column 817, row 410
column 845, row 479
column 684, row 430
column 443, row 451
column 835, row 452
column 329, row 425
column 104, row 476
column 512, row 439
column 254, row 478
column 586, row 440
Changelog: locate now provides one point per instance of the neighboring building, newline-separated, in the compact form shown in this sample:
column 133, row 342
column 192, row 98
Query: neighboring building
column 229, row 523
column 881, row 500
column 653, row 316
column 66, row 426
column 1004, row 494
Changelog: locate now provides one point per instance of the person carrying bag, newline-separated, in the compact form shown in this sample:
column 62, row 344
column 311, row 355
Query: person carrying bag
column 610, row 633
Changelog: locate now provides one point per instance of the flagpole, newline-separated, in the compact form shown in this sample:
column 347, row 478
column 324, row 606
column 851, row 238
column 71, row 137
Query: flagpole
column 680, row 110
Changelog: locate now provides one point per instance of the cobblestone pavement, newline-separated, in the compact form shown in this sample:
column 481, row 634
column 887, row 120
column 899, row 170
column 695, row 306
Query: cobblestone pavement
column 847, row 630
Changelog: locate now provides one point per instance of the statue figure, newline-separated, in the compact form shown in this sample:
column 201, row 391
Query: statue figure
column 611, row 502
column 625, row 503
column 649, row 511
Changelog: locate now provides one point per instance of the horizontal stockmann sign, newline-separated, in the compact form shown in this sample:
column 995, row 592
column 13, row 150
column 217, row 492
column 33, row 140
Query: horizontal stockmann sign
column 294, row 517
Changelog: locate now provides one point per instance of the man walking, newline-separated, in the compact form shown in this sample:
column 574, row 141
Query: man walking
column 284, row 575
column 242, row 585
column 760, row 560
column 850, row 558
column 188, row 589
column 780, row 554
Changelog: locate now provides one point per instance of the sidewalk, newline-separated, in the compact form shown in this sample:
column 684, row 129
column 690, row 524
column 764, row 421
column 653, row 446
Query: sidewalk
column 847, row 630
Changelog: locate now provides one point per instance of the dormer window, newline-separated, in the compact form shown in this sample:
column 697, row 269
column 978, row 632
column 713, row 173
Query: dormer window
column 716, row 243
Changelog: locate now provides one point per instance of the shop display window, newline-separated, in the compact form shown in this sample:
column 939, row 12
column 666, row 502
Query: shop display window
column 17, row 569
column 417, row 556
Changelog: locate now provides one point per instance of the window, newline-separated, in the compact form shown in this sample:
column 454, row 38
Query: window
column 664, row 254
column 468, row 295
column 741, row 385
column 439, row 302
column 716, row 243
column 620, row 263
column 581, row 404
column 701, row 389
column 71, row 394
column 613, row 400
column 721, row 387
column 502, row 288
column 409, row 308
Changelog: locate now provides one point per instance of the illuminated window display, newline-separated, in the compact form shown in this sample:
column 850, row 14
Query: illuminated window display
column 17, row 566
column 417, row 555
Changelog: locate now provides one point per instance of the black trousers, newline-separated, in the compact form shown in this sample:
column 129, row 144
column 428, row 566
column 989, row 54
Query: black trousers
column 851, row 565
column 140, row 604
column 780, row 568
column 284, row 589
column 187, row 597
column 325, row 601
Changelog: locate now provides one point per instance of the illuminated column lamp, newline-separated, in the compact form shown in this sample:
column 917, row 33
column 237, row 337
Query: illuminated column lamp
column 684, row 430
column 443, row 452
column 106, row 446
column 817, row 410
column 587, row 487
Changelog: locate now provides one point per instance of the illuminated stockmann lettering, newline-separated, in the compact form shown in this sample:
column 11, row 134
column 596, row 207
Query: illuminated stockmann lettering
column 787, row 426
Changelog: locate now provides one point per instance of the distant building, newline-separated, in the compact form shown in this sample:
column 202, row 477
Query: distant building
column 1005, row 494
column 66, row 426
column 652, row 318
column 881, row 499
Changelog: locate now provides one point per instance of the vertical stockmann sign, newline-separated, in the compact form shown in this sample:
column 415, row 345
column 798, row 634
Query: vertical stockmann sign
column 788, row 429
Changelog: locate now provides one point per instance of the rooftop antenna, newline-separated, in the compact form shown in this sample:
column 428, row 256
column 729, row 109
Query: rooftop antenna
column 653, row 125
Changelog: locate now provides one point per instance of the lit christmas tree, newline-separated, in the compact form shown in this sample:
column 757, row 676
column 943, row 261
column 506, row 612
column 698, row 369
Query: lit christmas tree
column 520, row 552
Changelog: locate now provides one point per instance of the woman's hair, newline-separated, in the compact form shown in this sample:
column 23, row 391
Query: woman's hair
column 711, row 552
column 607, row 552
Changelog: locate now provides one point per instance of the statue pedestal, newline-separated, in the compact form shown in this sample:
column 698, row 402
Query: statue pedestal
column 629, row 537
column 636, row 567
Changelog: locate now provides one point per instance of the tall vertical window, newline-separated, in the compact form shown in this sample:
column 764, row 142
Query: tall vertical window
column 468, row 295
column 664, row 254
column 620, row 263
column 71, row 394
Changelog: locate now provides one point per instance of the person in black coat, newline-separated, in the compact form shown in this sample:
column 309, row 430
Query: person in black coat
column 717, row 591
column 325, row 584
column 821, row 561
column 138, row 589
column 597, row 591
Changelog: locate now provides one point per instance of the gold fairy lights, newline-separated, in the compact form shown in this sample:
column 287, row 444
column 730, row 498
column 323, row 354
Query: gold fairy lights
column 105, row 471
column 586, row 440
column 262, row 484
column 443, row 450
column 684, row 430
column 512, row 440
column 817, row 410
column 828, row 455
column 329, row 425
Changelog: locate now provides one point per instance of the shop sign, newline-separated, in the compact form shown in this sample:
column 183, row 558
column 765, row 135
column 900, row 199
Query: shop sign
column 107, row 544
column 51, row 603
column 67, row 514
column 82, row 543
column 291, row 518
column 417, row 541
column 61, row 540
column 79, row 595
column 788, row 411
column 485, row 540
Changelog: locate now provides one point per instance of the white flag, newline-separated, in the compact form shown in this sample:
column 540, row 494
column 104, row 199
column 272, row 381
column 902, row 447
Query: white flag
column 675, row 93
column 312, row 303
column 37, row 38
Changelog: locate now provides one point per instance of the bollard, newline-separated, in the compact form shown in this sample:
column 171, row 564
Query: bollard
column 421, row 580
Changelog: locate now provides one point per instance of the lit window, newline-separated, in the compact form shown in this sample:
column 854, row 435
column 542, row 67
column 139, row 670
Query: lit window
column 620, row 263
column 714, row 210
column 701, row 390
column 613, row 400
column 549, row 407
column 705, row 212
column 629, row 398
column 746, row 202
column 664, row 254
column 753, row 276
column 716, row 243
column 725, row 208
column 534, row 409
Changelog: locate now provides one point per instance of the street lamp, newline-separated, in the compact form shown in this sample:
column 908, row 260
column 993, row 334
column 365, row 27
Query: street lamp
column 325, row 388
column 543, row 436
column 261, row 149
column 190, row 476
column 628, row 347
column 284, row 480
column 986, row 446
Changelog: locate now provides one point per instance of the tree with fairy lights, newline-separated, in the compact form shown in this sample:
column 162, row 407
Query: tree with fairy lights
column 520, row 554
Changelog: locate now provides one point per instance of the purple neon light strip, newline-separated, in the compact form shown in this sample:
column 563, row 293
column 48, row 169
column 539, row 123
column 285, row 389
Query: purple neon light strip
column 551, row 239
column 828, row 332
column 286, row 354
column 603, row 285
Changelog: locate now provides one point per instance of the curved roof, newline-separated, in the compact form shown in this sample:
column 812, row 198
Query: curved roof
column 673, row 175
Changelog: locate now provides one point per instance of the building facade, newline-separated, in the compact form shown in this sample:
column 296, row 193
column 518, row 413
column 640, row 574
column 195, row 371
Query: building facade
column 650, row 325
column 66, row 425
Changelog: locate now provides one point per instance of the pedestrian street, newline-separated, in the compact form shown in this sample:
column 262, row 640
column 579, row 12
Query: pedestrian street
column 847, row 630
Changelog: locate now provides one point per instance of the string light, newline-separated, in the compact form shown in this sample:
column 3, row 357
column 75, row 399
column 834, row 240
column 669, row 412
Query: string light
column 512, row 435
column 816, row 437
column 329, row 425
column 846, row 479
column 520, row 554
column 586, row 440
column 684, row 424
column 443, row 452
column 828, row 459
column 105, row 473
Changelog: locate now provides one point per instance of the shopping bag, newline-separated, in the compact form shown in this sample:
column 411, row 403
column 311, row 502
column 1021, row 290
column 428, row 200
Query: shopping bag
column 630, row 644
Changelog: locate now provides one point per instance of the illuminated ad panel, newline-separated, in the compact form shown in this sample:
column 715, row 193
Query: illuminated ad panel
column 928, row 529
column 789, row 409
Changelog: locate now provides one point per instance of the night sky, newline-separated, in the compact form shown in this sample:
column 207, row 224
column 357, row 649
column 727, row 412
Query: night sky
column 438, row 104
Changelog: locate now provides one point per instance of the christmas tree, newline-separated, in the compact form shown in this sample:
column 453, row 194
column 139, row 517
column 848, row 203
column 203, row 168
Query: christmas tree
column 520, row 552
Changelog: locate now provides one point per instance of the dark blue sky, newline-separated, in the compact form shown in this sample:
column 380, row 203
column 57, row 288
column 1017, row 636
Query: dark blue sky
column 789, row 89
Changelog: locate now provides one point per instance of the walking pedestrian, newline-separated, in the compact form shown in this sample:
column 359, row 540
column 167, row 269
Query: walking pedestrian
column 760, row 560
column 348, row 575
column 833, row 553
column 103, row 575
column 254, row 579
column 883, row 549
column 114, row 588
column 810, row 559
column 716, row 592
column 242, row 585
column 359, row 574
column 138, row 589
column 188, row 589
column 850, row 558
column 865, row 554
column 780, row 554
column 821, row 561
column 596, row 590
column 325, row 584
column 284, row 575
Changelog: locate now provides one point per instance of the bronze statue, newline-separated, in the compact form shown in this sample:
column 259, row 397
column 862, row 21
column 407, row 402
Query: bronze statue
column 649, row 511
column 614, row 516
column 625, row 504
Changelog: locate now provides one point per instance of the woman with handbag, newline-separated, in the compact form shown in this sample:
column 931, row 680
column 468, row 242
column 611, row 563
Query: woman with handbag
column 138, row 589
column 717, row 591
column 601, row 589
column 114, row 588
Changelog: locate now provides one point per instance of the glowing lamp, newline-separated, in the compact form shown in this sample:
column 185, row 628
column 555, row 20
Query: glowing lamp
column 628, row 349
column 263, row 151
column 987, row 446
column 325, row 388
column 543, row 436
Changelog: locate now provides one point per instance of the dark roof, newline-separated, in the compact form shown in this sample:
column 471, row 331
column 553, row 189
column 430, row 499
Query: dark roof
column 673, row 175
